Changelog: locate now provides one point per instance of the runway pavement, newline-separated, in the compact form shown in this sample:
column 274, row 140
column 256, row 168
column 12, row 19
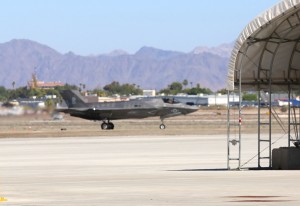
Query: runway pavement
column 137, row 170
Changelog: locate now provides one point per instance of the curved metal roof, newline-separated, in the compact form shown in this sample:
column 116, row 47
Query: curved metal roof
column 267, row 52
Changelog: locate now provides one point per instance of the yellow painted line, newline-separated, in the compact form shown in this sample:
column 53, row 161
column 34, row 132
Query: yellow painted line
column 3, row 199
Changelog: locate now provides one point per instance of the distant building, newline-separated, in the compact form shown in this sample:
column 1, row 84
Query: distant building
column 95, row 98
column 44, row 85
column 204, row 100
column 219, row 99
column 35, row 83
column 32, row 102
column 149, row 93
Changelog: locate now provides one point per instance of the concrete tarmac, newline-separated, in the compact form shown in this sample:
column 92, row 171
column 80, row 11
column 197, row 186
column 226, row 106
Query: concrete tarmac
column 139, row 170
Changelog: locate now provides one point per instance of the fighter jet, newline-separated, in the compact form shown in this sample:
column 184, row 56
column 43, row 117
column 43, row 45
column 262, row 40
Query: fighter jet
column 132, row 109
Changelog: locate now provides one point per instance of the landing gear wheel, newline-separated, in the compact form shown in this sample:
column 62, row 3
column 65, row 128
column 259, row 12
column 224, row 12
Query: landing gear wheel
column 111, row 125
column 162, row 126
column 107, row 126
column 104, row 126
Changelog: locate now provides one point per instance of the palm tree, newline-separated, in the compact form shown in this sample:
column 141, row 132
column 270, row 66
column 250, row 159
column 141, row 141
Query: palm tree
column 185, row 82
column 13, row 84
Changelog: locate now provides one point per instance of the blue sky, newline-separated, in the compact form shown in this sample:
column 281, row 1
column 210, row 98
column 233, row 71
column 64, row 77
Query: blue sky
column 88, row 27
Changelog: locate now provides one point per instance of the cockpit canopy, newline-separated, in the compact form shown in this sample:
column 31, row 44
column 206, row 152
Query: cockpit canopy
column 170, row 101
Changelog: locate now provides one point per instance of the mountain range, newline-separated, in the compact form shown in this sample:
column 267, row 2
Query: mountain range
column 150, row 68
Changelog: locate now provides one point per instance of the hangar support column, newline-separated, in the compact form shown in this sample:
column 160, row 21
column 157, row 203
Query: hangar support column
column 234, row 121
column 233, row 134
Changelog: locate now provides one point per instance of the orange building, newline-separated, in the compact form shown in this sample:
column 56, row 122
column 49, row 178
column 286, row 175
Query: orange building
column 34, row 83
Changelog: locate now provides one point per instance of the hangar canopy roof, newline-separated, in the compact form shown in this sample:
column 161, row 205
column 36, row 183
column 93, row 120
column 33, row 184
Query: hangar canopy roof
column 267, row 52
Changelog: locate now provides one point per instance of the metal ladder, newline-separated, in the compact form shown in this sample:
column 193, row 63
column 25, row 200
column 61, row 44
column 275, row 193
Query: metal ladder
column 233, row 138
column 263, row 141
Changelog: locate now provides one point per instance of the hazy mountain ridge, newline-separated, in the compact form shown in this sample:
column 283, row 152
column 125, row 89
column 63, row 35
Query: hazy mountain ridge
column 149, row 67
column 223, row 50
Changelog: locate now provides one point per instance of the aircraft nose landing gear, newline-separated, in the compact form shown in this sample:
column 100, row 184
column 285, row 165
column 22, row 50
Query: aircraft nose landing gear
column 162, row 126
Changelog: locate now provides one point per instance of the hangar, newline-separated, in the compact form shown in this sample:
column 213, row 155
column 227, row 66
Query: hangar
column 266, row 60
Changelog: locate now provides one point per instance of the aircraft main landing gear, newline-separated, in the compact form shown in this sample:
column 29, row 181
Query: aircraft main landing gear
column 107, row 126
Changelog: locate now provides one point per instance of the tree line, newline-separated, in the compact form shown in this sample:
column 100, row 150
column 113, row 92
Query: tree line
column 25, row 92
column 178, row 87
column 108, row 90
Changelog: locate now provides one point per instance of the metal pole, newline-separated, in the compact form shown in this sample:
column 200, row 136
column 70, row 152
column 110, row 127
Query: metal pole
column 228, row 129
column 270, row 122
column 258, row 128
column 289, row 116
column 240, row 116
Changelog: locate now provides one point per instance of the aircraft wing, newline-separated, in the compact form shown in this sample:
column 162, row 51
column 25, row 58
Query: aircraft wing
column 70, row 110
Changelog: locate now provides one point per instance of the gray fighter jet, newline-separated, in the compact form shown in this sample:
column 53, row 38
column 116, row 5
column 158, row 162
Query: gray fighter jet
column 132, row 109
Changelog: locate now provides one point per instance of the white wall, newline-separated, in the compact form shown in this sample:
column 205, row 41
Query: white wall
column 217, row 99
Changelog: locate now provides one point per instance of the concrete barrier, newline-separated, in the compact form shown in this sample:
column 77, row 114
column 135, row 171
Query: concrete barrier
column 286, row 158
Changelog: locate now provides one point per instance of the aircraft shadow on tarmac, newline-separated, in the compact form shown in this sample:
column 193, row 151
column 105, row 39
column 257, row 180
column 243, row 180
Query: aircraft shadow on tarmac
column 199, row 170
column 220, row 169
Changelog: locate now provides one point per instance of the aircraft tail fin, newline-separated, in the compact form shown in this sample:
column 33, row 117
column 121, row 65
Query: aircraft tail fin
column 73, row 98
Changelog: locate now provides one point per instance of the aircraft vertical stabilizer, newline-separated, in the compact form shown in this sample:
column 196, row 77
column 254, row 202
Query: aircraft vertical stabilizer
column 73, row 98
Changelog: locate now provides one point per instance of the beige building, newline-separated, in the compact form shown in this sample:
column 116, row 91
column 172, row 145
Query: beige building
column 35, row 83
column 95, row 98
column 149, row 92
